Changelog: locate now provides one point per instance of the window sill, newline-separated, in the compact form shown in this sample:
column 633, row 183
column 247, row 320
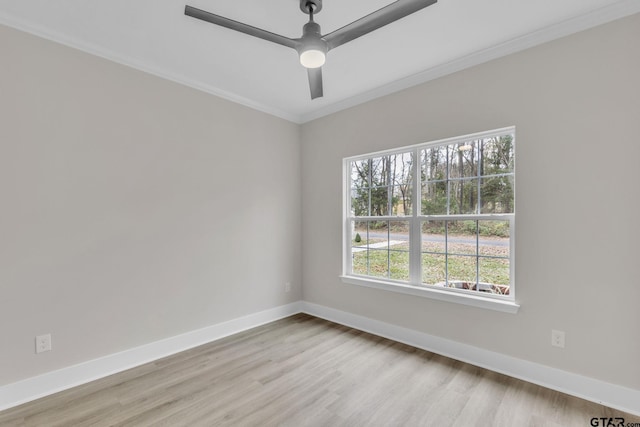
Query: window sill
column 441, row 295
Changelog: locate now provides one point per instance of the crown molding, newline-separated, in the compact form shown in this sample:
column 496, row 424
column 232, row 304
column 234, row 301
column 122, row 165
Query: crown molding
column 565, row 28
column 583, row 22
column 143, row 66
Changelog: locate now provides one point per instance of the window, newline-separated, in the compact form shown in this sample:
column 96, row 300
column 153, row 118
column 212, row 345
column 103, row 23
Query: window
column 435, row 219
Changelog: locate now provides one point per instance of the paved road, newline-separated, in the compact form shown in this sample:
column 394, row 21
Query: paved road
column 440, row 238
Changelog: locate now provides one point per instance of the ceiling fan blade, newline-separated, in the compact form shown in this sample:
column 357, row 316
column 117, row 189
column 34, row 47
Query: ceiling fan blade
column 239, row 26
column 375, row 20
column 315, row 82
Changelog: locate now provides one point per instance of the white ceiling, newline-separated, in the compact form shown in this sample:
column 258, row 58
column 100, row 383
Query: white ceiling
column 155, row 36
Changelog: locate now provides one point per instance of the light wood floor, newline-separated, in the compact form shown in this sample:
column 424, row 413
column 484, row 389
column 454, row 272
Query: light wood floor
column 304, row 371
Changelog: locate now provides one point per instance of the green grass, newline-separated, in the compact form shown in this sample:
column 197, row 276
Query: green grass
column 461, row 263
column 396, row 266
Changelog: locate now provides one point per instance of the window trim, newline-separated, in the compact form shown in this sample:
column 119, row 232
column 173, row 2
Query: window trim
column 498, row 303
column 445, row 295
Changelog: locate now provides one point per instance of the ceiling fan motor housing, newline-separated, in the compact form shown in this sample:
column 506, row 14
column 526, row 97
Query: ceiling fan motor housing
column 312, row 38
column 315, row 4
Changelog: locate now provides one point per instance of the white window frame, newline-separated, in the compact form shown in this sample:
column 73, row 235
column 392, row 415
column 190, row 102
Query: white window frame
column 504, row 303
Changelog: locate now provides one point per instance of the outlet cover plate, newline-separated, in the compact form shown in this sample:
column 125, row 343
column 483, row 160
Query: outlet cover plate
column 43, row 343
column 557, row 338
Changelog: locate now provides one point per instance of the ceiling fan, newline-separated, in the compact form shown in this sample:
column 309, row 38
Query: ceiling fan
column 313, row 46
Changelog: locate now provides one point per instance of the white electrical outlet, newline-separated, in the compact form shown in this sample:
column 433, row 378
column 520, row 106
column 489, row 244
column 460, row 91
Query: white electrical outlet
column 557, row 338
column 287, row 287
column 43, row 343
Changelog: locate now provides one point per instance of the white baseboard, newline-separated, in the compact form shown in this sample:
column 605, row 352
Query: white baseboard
column 52, row 382
column 614, row 396
column 611, row 395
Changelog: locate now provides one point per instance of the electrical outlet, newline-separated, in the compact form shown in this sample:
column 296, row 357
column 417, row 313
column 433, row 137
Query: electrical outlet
column 287, row 287
column 43, row 343
column 557, row 338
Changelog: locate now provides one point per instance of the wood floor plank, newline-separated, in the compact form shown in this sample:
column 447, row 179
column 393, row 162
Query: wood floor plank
column 304, row 371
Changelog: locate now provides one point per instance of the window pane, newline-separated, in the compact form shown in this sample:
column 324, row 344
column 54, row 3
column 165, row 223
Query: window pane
column 360, row 173
column 462, row 271
column 494, row 238
column 434, row 269
column 462, row 237
column 434, row 163
column 399, row 263
column 381, row 249
column 402, row 180
column 380, row 171
column 399, row 250
column 434, row 198
column 463, row 159
column 399, row 231
column 463, row 196
column 360, row 187
column 378, row 263
column 369, row 254
column 496, row 194
column 434, row 236
column 379, row 201
column 360, row 263
column 359, row 247
column 494, row 275
column 359, row 234
column 378, row 233
column 434, row 248
column 360, row 202
column 402, row 195
column 497, row 155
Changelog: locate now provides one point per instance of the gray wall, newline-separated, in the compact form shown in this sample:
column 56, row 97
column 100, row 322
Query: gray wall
column 132, row 208
column 575, row 103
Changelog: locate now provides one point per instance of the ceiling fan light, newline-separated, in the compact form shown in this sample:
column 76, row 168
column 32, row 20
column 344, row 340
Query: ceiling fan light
column 312, row 58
